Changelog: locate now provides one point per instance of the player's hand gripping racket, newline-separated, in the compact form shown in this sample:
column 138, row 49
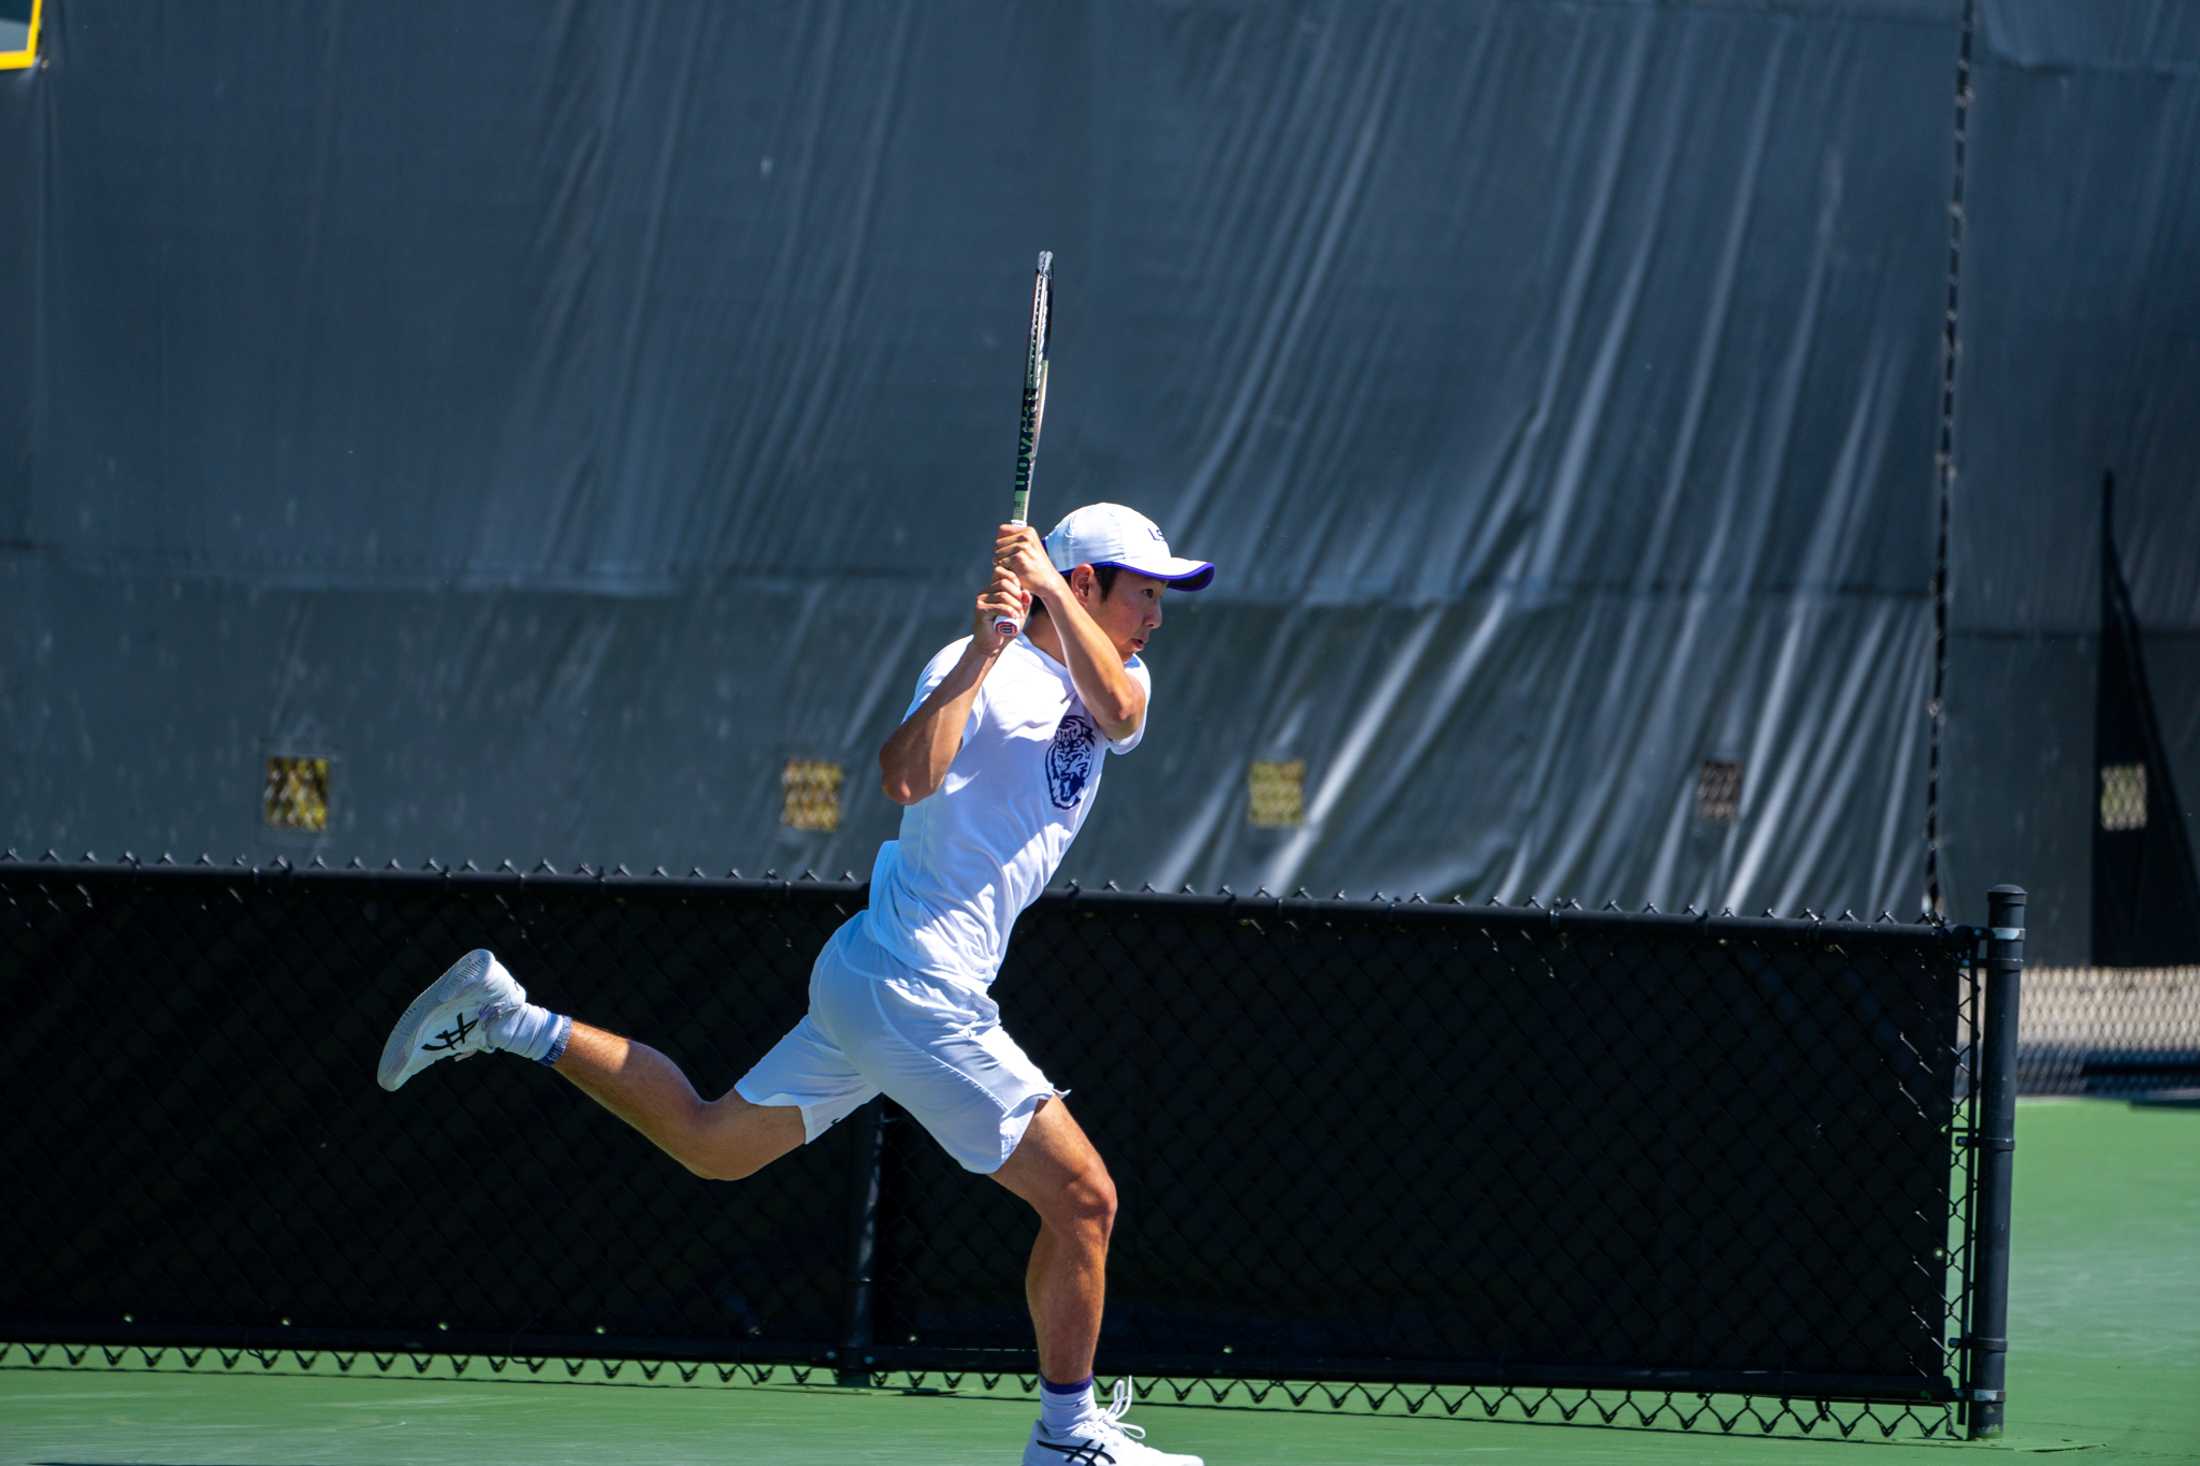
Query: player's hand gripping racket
column 1035, row 407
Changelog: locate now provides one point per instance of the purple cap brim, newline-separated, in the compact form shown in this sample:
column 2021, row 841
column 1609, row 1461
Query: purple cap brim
column 1197, row 577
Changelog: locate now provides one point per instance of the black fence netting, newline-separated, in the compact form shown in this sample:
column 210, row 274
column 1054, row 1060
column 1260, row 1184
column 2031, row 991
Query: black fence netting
column 214, row 1150
column 1496, row 1147
column 1475, row 1148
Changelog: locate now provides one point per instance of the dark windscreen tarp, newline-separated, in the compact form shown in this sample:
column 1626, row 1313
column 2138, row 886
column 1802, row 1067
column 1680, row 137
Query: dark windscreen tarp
column 564, row 424
column 2081, row 317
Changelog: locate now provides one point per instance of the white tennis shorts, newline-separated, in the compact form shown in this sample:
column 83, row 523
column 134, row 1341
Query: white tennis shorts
column 936, row 1047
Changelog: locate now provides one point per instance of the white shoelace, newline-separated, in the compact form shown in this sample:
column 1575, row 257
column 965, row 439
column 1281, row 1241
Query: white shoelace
column 1118, row 1408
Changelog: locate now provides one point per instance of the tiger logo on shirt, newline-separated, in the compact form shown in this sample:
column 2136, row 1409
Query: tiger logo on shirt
column 1070, row 759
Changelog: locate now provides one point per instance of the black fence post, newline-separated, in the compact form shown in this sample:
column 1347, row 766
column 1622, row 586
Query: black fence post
column 858, row 1331
column 1997, row 1139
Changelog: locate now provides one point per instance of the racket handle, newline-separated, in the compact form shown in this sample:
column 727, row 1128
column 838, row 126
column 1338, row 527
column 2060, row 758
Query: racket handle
column 1010, row 627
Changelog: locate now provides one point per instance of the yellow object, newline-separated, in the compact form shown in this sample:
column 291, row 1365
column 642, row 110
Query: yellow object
column 812, row 789
column 296, row 794
column 2123, row 796
column 1277, row 788
column 20, row 60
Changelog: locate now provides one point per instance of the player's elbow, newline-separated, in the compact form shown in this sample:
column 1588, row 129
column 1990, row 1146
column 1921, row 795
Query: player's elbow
column 898, row 786
column 1118, row 718
column 1128, row 711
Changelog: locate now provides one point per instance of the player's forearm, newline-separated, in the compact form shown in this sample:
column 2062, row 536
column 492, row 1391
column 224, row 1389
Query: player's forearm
column 1113, row 697
column 915, row 759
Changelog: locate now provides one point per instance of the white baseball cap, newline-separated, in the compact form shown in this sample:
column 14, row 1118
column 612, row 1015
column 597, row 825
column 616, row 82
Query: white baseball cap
column 1110, row 534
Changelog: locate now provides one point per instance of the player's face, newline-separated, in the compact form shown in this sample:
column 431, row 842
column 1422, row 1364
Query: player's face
column 1129, row 614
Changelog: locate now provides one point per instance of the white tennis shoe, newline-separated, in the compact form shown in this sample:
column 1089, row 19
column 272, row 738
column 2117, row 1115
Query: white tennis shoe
column 450, row 1020
column 1100, row 1439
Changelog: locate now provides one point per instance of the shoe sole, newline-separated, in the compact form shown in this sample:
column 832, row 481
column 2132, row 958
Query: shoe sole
column 1056, row 1453
column 405, row 1037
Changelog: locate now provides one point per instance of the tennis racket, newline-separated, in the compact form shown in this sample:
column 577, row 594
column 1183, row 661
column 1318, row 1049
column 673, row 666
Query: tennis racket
column 1035, row 406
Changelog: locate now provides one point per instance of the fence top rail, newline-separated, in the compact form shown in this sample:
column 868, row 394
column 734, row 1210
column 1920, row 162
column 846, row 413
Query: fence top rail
column 1566, row 915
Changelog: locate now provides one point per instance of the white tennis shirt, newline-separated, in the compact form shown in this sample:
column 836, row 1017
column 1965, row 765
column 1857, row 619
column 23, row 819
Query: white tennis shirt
column 983, row 846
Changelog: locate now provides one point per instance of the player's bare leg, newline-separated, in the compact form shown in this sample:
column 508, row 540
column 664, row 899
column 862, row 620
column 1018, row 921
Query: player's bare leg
column 720, row 1140
column 478, row 1007
column 1056, row 1170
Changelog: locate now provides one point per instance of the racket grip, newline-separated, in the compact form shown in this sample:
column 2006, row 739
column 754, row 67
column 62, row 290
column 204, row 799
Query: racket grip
column 1008, row 628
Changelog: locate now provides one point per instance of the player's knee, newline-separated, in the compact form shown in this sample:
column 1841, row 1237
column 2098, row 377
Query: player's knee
column 731, row 1139
column 722, row 1166
column 726, row 1157
column 1089, row 1202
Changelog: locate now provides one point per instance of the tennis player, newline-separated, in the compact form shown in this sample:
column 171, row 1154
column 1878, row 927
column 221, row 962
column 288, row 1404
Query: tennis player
column 996, row 763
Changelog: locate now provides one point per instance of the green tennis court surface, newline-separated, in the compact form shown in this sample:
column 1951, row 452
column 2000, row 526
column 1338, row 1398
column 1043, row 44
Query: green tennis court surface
column 2105, row 1318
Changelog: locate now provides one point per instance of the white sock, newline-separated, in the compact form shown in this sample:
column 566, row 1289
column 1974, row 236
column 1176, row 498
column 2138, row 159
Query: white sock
column 1062, row 1406
column 531, row 1032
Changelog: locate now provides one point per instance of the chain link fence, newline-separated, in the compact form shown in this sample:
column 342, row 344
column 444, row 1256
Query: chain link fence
column 1519, row 1160
column 2125, row 1031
